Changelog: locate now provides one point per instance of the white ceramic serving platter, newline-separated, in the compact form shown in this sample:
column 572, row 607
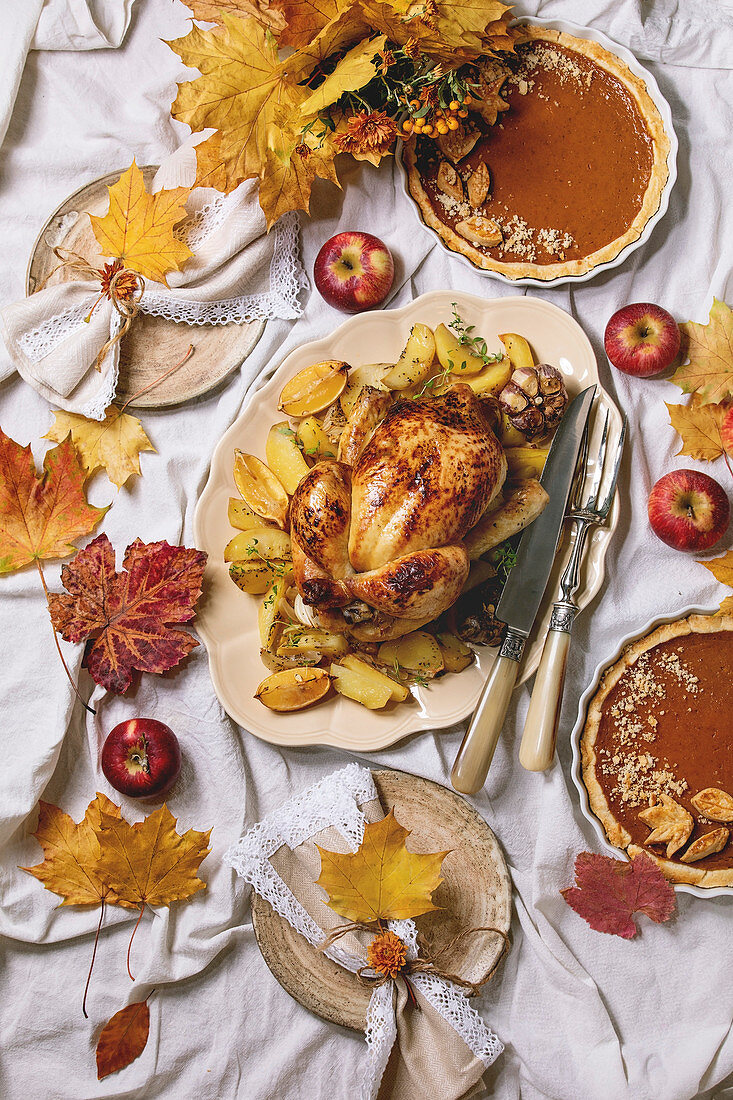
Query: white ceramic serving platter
column 227, row 617
column 575, row 736
column 666, row 114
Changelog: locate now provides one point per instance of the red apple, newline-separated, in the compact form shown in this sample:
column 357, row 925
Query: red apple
column 688, row 510
column 726, row 431
column 141, row 757
column 354, row 271
column 642, row 339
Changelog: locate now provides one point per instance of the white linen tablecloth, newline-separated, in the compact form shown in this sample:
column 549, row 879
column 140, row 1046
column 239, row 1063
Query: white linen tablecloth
column 584, row 1016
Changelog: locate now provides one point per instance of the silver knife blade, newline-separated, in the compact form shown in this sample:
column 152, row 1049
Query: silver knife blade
column 528, row 578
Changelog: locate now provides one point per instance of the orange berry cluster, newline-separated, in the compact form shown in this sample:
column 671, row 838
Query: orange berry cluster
column 438, row 121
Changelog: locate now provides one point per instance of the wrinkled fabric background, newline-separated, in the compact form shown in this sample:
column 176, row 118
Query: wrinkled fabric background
column 582, row 1015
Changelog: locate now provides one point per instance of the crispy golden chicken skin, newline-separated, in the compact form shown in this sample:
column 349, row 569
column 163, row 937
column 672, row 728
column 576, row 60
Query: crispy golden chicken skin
column 388, row 532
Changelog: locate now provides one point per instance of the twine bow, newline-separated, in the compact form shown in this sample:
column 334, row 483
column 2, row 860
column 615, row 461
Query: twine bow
column 123, row 287
column 424, row 963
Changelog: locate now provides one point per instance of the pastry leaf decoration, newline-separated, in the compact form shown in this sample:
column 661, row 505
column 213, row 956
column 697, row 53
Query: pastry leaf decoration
column 709, row 370
column 41, row 516
column 123, row 1038
column 114, row 443
column 138, row 227
column 609, row 891
column 125, row 618
column 700, row 428
column 381, row 880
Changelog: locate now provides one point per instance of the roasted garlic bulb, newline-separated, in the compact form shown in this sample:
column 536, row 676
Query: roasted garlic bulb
column 534, row 399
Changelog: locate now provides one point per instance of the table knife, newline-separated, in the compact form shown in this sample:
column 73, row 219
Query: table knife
column 521, row 598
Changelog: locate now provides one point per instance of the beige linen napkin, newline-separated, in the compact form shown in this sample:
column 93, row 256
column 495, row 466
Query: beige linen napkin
column 238, row 273
column 436, row 1053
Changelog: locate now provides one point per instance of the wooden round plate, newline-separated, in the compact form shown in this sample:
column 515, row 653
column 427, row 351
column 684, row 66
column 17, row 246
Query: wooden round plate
column 476, row 892
column 153, row 343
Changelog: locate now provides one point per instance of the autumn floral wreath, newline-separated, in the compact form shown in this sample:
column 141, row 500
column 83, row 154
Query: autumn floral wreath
column 289, row 84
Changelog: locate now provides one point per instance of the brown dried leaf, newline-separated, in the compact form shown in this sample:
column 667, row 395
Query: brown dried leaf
column 123, row 1038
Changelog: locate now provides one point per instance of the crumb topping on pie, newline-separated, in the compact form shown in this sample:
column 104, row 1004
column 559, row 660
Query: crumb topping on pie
column 575, row 154
column 657, row 749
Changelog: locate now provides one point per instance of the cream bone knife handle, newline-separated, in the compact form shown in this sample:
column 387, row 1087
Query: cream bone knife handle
column 477, row 748
column 537, row 749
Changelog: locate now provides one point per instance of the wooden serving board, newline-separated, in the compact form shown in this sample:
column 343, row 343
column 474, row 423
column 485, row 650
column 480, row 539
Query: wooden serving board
column 153, row 343
column 476, row 892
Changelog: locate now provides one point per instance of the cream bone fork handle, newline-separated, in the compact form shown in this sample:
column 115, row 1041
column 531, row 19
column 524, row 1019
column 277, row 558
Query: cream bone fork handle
column 521, row 598
column 540, row 729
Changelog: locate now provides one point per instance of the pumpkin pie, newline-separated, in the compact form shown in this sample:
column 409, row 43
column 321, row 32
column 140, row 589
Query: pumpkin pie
column 657, row 750
column 557, row 169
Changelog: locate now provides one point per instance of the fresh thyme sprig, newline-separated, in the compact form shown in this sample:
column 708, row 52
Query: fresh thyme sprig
column 475, row 344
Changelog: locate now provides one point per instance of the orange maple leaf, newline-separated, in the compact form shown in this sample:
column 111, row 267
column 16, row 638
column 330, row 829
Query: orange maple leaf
column 138, row 227
column 382, row 880
column 41, row 516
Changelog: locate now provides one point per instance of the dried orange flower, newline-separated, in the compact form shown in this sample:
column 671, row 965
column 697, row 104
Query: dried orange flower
column 126, row 284
column 387, row 59
column 367, row 132
column 411, row 49
column 302, row 150
column 387, row 954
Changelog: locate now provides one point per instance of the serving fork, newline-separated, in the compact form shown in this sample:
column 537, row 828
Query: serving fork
column 540, row 729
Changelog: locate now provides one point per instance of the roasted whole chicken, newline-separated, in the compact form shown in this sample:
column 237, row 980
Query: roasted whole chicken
column 377, row 536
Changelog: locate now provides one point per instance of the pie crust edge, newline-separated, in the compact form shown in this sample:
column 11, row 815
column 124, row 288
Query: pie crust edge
column 659, row 175
column 615, row 832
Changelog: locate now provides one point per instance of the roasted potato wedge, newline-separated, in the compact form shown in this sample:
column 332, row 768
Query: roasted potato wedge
column 314, row 388
column 517, row 349
column 241, row 516
column 399, row 691
column 313, row 639
column 369, row 374
column 267, row 615
column 253, row 576
column 314, row 442
column 261, row 542
column 413, row 365
column 491, row 379
column 525, row 462
column 293, row 688
column 455, row 653
column 284, row 456
column 417, row 652
column 361, row 682
column 452, row 356
column 260, row 489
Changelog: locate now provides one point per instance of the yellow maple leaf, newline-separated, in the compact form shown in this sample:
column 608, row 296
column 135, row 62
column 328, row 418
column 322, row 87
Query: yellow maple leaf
column 288, row 179
column 355, row 69
column 269, row 15
column 305, row 19
column 149, row 862
column 709, row 370
column 382, row 880
column 241, row 92
column 71, row 852
column 114, row 443
column 721, row 568
column 700, row 428
column 138, row 227
column 344, row 29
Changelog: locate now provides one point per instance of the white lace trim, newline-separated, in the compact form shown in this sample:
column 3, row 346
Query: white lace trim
column 286, row 281
column 197, row 227
column 96, row 407
column 336, row 801
column 39, row 342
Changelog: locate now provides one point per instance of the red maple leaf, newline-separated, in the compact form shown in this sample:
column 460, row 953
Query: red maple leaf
column 608, row 891
column 124, row 617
